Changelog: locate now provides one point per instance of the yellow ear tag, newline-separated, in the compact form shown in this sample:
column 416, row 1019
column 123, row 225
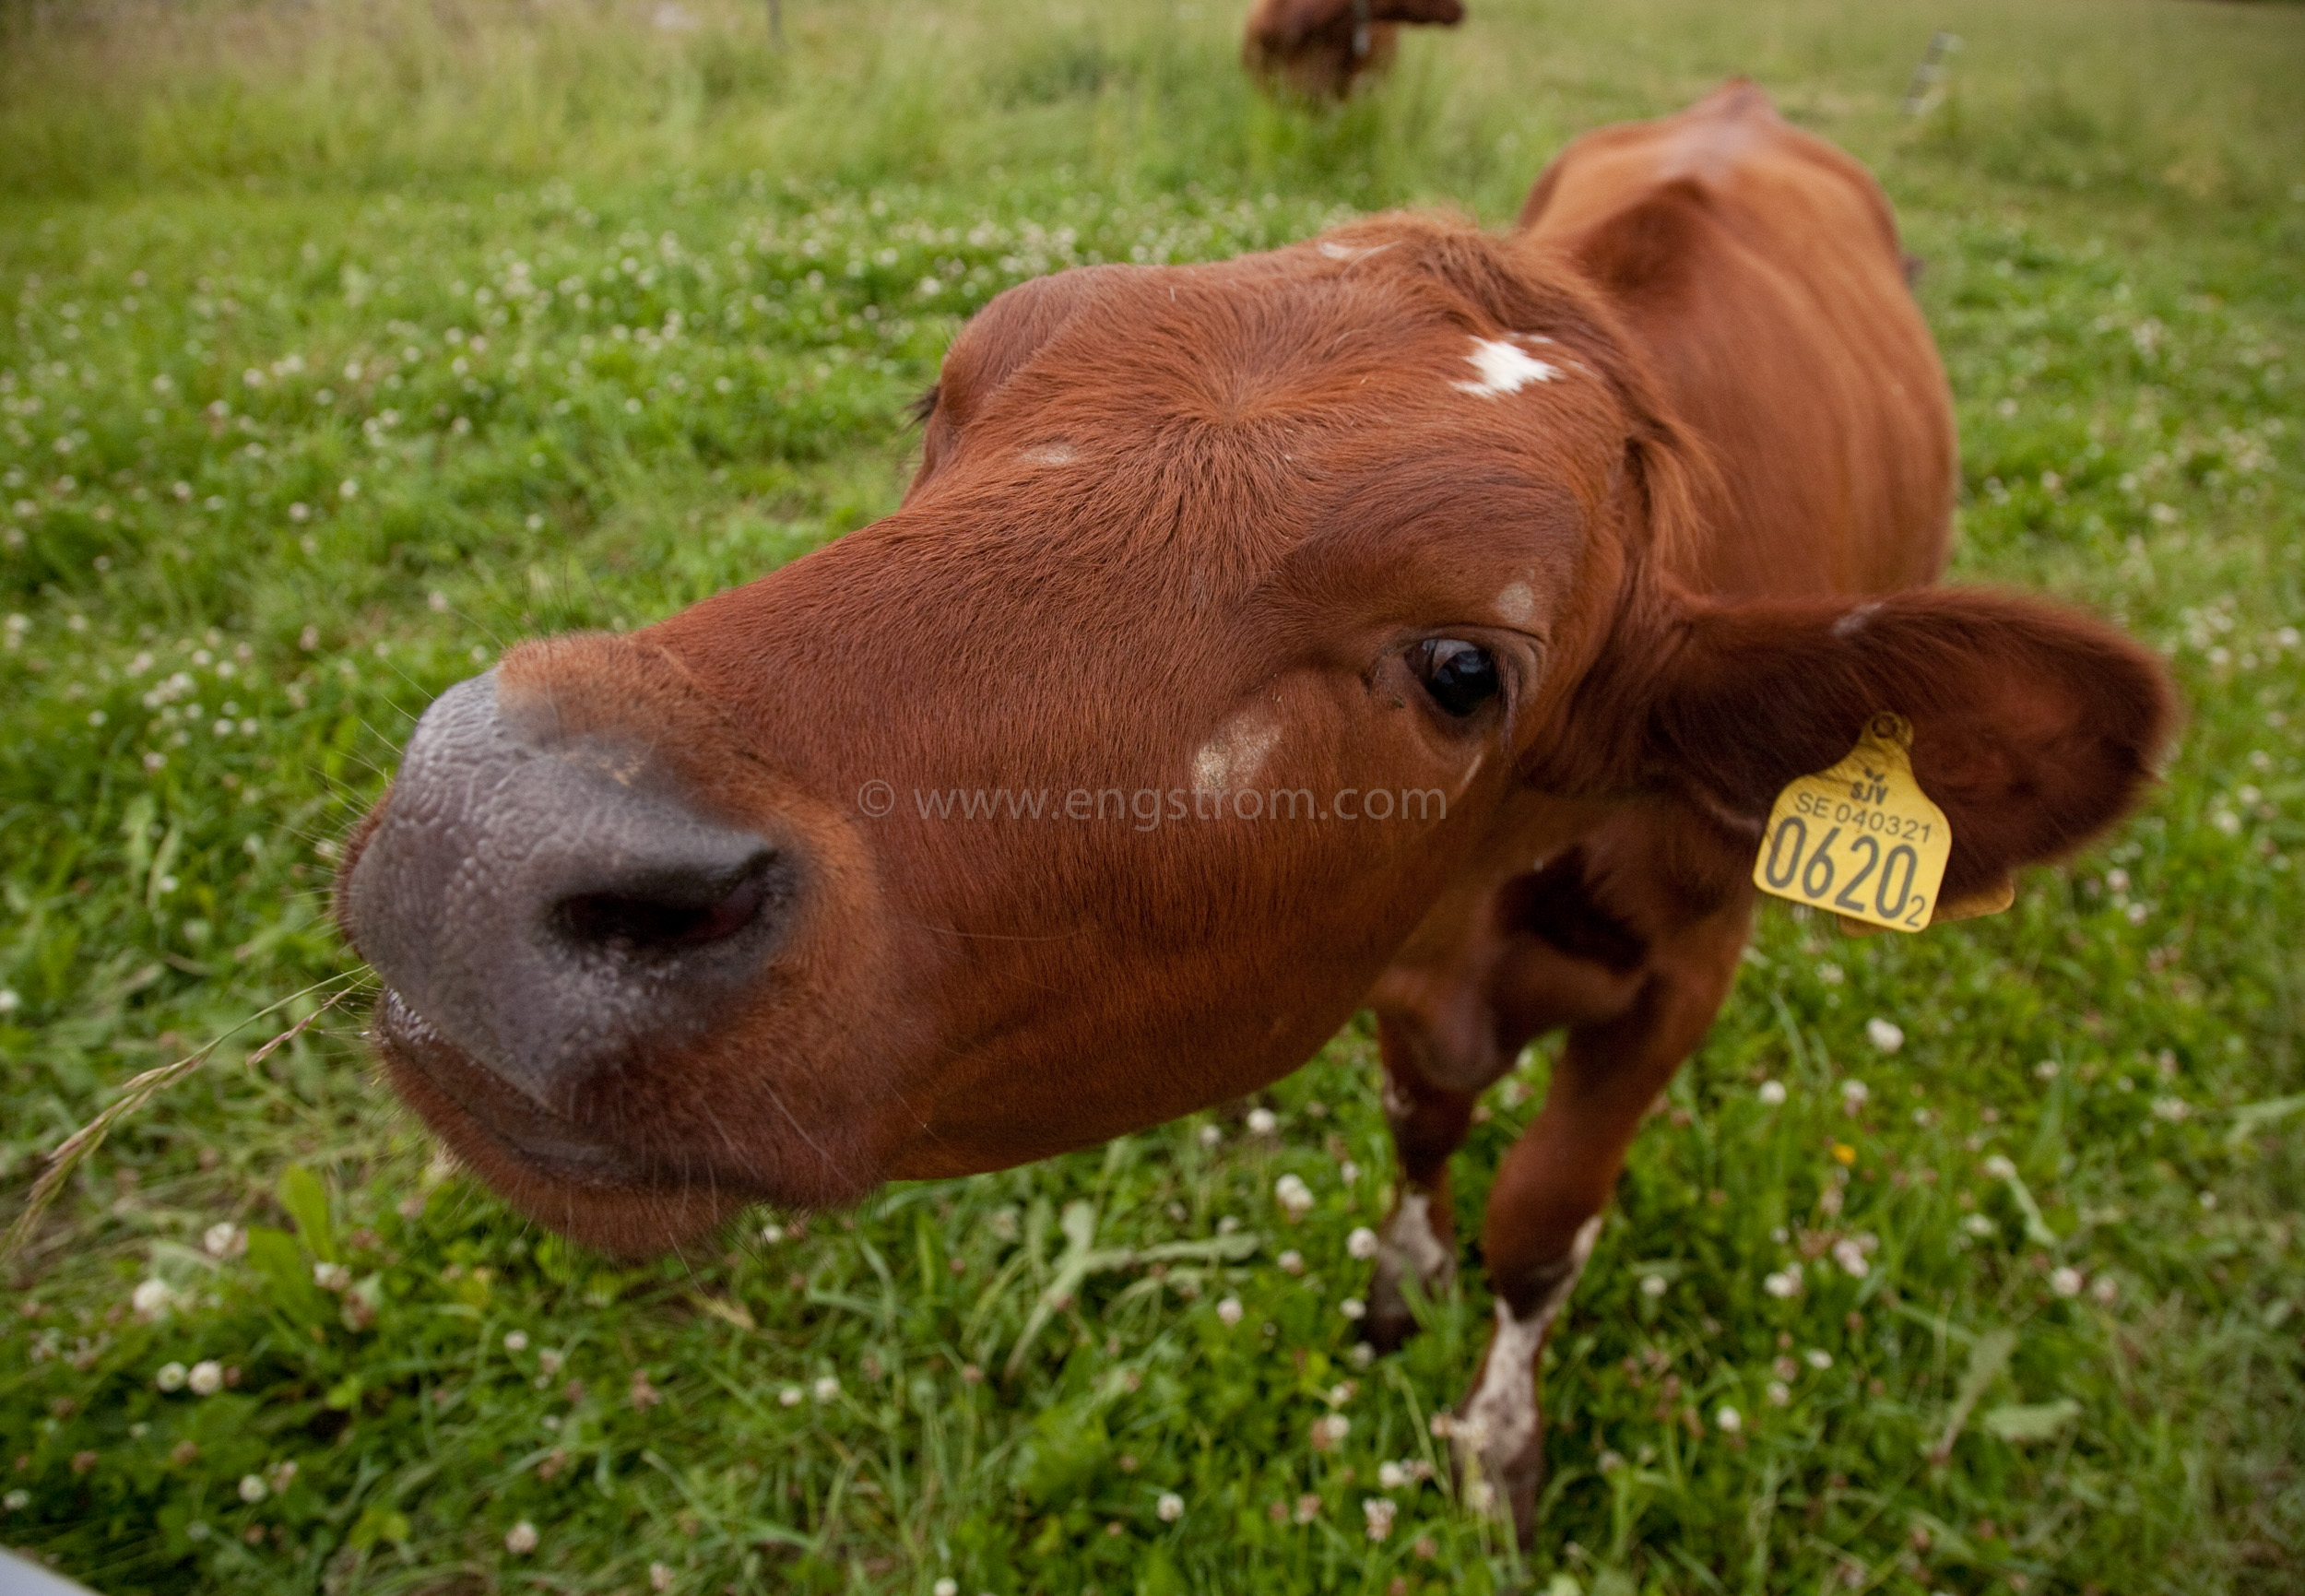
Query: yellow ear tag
column 1861, row 840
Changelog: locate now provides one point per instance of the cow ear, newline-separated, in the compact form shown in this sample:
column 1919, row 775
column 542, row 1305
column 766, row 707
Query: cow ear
column 2034, row 729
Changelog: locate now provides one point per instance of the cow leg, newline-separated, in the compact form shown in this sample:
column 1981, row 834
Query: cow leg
column 1419, row 1237
column 1544, row 1209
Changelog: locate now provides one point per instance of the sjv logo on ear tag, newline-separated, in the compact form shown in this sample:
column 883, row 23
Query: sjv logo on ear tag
column 1861, row 840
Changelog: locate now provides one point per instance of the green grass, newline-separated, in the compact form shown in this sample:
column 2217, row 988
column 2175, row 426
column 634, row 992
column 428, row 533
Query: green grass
column 347, row 344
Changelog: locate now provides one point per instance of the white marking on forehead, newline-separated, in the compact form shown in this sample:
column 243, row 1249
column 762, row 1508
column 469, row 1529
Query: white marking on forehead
column 1517, row 603
column 1504, row 368
column 1853, row 622
column 1232, row 758
column 1048, row 455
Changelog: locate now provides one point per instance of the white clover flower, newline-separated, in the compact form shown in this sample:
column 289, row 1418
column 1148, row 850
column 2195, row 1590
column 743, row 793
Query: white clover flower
column 171, row 1377
column 1391, row 1476
column 550, row 1360
column 1653, row 1285
column 659, row 1577
column 1779, row 1394
column 1229, row 1311
column 1781, row 1285
column 1170, row 1506
column 772, row 1233
column 1210, row 1135
column 9, row 1001
column 1886, row 1034
column 1362, row 1242
column 1771, row 1093
column 1352, row 1308
column 2176, row 1110
column 151, row 1298
column 207, row 1377
column 2045, row 1071
column 224, row 1239
column 284, row 1474
column 1263, row 1122
column 1379, row 1511
column 826, row 1388
column 791, row 1396
column 2000, row 1168
column 2209, row 1199
column 1853, row 1095
column 1729, row 1421
column 17, row 1501
column 1294, row 1196
column 1851, row 1257
column 1291, row 1262
column 948, row 1586
column 331, row 1276
column 2067, row 1280
column 2105, row 1288
column 515, row 1341
column 521, row 1539
column 1330, row 1431
column 1818, row 1359
column 252, row 1489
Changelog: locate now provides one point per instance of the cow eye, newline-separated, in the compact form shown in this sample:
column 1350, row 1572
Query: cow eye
column 1459, row 676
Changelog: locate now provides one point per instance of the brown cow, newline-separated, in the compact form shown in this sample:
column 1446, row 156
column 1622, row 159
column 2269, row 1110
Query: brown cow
column 1322, row 48
column 1588, row 539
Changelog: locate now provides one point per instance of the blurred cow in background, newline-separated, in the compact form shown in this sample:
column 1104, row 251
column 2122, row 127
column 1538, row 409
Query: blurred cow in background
column 1320, row 48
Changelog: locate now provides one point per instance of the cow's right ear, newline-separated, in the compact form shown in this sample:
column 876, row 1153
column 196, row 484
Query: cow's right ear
column 2034, row 729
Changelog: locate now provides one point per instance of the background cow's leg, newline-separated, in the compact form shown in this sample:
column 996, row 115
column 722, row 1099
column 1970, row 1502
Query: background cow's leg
column 1419, row 1236
column 1544, row 1209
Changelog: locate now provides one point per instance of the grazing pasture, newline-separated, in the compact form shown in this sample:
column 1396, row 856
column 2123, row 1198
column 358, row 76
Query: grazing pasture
column 347, row 345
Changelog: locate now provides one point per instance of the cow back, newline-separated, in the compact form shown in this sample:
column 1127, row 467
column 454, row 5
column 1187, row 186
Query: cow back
column 1759, row 271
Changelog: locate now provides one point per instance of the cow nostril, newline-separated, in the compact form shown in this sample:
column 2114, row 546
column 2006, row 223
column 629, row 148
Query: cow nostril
column 666, row 914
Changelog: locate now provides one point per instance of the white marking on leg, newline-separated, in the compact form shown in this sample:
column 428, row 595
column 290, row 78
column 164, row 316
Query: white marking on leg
column 1504, row 368
column 1501, row 1419
column 1410, row 1236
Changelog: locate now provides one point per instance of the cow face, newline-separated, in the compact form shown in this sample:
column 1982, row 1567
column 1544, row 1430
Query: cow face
column 1095, row 785
column 1234, row 610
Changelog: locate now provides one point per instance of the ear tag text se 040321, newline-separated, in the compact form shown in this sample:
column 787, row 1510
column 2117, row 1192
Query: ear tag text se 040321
column 1859, row 840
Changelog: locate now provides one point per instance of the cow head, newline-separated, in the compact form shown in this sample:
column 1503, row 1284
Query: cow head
column 796, row 890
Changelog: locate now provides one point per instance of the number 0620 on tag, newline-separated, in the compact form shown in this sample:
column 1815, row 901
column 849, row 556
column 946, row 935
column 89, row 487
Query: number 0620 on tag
column 1861, row 840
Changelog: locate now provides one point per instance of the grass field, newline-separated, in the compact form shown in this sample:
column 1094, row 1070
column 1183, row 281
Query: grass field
column 348, row 344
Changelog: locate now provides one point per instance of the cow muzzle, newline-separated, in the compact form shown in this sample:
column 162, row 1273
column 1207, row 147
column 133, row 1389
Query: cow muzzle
column 551, row 904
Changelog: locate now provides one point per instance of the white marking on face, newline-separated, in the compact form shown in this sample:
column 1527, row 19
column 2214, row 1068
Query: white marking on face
column 1501, row 1418
column 1504, row 368
column 1230, row 760
column 1048, row 455
column 1411, row 1237
column 1853, row 622
column 1517, row 603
